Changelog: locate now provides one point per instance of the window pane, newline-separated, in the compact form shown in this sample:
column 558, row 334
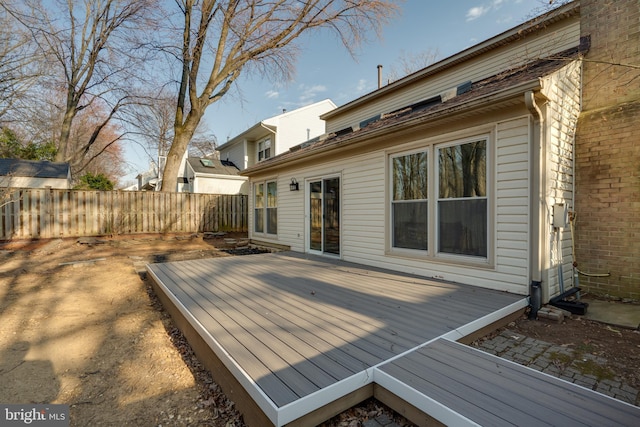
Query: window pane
column 258, row 196
column 410, row 225
column 272, row 220
column 315, row 240
column 272, row 194
column 259, row 220
column 463, row 227
column 410, row 177
column 462, row 170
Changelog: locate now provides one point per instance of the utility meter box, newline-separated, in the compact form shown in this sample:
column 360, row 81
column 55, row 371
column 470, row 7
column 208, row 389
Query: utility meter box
column 560, row 215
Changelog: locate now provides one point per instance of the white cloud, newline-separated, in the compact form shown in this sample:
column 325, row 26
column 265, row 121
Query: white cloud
column 479, row 11
column 362, row 85
column 309, row 93
column 272, row 94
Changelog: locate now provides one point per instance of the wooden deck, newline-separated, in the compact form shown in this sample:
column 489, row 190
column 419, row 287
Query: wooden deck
column 298, row 332
column 462, row 386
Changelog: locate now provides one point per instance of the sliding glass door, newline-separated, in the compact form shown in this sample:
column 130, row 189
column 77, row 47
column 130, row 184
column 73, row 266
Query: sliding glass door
column 324, row 215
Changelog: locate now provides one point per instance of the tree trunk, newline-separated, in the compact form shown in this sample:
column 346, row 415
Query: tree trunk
column 65, row 131
column 178, row 147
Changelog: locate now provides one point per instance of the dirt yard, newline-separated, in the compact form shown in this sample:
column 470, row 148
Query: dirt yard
column 80, row 326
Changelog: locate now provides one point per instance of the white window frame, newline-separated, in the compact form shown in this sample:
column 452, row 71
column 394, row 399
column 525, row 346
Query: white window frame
column 430, row 146
column 392, row 202
column 265, row 207
column 262, row 149
column 436, row 200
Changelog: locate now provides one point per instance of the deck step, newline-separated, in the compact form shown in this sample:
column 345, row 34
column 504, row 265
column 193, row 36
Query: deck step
column 460, row 385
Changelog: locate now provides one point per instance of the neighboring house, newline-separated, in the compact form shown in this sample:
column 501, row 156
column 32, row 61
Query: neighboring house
column 148, row 180
column 275, row 135
column 462, row 171
column 151, row 179
column 17, row 173
column 214, row 176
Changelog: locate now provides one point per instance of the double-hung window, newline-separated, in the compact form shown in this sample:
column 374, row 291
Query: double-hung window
column 265, row 207
column 450, row 216
column 462, row 198
column 410, row 204
column 264, row 149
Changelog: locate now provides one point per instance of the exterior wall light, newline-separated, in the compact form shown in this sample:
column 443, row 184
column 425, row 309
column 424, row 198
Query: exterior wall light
column 294, row 185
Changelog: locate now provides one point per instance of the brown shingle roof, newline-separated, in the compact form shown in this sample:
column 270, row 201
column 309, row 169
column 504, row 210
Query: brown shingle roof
column 513, row 78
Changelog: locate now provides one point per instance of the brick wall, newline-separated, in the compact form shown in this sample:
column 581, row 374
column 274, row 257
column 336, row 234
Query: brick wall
column 607, row 234
column 614, row 28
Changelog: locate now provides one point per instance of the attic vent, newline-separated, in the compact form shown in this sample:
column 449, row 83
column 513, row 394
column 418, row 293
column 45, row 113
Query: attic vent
column 207, row 163
column 464, row 88
column 344, row 131
column 422, row 105
column 370, row 120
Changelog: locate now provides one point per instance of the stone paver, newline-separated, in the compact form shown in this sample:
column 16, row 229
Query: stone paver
column 586, row 370
column 381, row 421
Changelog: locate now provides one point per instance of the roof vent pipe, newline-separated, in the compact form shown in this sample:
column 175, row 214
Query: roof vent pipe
column 379, row 76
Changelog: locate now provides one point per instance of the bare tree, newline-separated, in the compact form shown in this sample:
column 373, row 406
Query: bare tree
column 408, row 63
column 151, row 121
column 220, row 39
column 18, row 63
column 203, row 144
column 87, row 44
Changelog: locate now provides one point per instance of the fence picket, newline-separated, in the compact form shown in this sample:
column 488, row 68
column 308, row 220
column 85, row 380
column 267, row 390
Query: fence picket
column 49, row 213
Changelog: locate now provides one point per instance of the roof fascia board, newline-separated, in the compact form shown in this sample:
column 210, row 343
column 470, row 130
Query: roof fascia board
column 499, row 40
column 476, row 103
column 273, row 128
column 270, row 128
column 246, row 134
column 221, row 176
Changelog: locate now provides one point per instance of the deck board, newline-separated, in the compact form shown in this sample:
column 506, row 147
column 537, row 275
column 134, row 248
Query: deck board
column 300, row 331
column 492, row 391
column 297, row 323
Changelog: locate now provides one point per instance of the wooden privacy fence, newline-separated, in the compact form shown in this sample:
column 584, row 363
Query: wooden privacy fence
column 47, row 213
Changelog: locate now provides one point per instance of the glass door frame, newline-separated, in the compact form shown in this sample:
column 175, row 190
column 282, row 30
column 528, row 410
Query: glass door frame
column 307, row 216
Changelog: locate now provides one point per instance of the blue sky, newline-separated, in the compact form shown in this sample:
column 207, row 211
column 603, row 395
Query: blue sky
column 324, row 69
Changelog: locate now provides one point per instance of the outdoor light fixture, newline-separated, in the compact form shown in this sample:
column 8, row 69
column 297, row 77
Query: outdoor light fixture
column 294, row 185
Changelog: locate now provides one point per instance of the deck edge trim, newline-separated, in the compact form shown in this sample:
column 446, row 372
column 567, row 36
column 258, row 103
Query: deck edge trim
column 256, row 393
column 421, row 401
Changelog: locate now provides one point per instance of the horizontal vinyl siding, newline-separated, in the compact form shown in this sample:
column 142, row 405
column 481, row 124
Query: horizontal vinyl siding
column 236, row 154
column 552, row 39
column 363, row 217
column 563, row 91
column 512, row 199
column 364, row 214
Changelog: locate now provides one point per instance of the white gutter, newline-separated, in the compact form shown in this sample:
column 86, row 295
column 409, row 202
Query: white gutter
column 536, row 197
column 495, row 42
column 365, row 136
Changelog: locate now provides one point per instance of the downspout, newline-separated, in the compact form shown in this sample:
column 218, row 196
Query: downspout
column 535, row 259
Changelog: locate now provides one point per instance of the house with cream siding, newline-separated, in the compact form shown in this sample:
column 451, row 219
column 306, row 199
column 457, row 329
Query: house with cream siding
column 462, row 171
column 275, row 135
column 213, row 176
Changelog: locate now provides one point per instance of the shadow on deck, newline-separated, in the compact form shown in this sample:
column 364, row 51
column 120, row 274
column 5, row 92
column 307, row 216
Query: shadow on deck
column 295, row 339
